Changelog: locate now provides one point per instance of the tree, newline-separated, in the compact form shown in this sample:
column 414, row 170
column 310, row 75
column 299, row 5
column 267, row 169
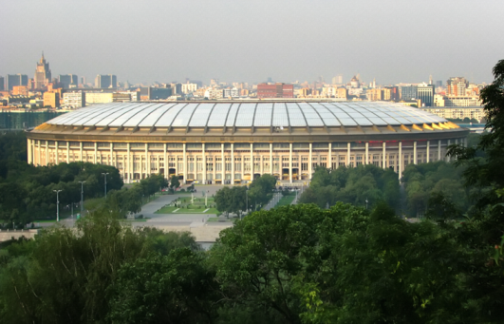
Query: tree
column 487, row 172
column 67, row 276
column 353, row 185
column 176, row 288
column 174, row 182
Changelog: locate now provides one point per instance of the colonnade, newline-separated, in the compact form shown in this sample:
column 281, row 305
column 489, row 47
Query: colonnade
column 233, row 163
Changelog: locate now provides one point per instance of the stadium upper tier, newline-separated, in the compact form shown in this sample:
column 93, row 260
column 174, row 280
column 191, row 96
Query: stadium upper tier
column 274, row 116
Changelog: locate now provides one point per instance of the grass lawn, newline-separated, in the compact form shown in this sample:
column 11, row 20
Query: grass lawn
column 286, row 200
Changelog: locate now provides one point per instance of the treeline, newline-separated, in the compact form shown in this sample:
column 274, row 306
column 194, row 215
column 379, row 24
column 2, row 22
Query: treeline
column 237, row 199
column 295, row 264
column 423, row 182
column 361, row 186
column 422, row 185
column 26, row 191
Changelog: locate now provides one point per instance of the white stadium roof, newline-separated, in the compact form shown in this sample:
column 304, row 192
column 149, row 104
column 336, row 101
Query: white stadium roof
column 246, row 114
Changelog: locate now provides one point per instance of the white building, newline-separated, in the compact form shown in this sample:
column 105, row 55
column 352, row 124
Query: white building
column 189, row 87
column 233, row 92
column 213, row 94
column 74, row 99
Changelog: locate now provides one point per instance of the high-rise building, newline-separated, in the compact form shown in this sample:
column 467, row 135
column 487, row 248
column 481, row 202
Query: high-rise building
column 159, row 93
column 42, row 74
column 105, row 81
column 176, row 88
column 426, row 94
column 68, row 81
column 51, row 99
column 391, row 93
column 409, row 92
column 277, row 90
column 74, row 99
column 456, row 86
column 2, row 83
column 337, row 79
column 16, row 80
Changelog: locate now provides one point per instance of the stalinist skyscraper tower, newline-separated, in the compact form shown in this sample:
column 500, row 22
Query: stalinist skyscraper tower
column 42, row 74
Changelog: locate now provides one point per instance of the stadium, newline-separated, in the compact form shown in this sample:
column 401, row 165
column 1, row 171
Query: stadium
column 234, row 142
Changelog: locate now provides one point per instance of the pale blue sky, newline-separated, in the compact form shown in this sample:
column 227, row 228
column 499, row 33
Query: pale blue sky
column 233, row 40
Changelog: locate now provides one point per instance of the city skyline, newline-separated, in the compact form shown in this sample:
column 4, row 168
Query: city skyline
column 251, row 42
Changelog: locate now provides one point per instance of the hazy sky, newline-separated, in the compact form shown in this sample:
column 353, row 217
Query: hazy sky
column 235, row 40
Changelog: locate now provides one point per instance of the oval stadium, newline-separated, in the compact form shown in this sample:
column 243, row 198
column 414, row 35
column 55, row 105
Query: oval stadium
column 234, row 142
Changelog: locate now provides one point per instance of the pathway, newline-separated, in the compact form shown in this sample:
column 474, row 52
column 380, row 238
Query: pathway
column 272, row 203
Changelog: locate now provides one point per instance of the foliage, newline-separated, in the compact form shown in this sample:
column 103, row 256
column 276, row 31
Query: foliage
column 234, row 200
column 174, row 182
column 231, row 200
column 438, row 178
column 341, row 265
column 352, row 185
column 69, row 277
column 27, row 192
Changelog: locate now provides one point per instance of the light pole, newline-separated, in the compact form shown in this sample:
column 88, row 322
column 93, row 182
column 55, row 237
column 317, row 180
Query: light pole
column 105, row 176
column 366, row 203
column 57, row 204
column 81, row 197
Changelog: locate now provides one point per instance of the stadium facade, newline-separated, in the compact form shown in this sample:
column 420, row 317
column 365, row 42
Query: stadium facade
column 233, row 142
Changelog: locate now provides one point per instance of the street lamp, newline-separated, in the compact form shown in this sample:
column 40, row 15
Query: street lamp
column 57, row 204
column 366, row 203
column 81, row 197
column 105, row 176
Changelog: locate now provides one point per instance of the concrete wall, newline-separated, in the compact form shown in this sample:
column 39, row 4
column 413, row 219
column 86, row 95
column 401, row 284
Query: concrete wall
column 9, row 235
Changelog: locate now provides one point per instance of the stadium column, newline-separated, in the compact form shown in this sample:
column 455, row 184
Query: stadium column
column 68, row 153
column 112, row 154
column 128, row 169
column 223, row 165
column 290, row 162
column 56, row 154
column 329, row 157
column 367, row 153
column 310, row 156
column 46, row 153
column 400, row 160
column 147, row 160
column 185, row 162
column 165, row 161
column 384, row 155
column 29, row 151
column 271, row 158
column 252, row 162
column 348, row 155
column 415, row 152
column 261, row 168
column 439, row 150
column 39, row 159
column 427, row 157
column 81, row 156
column 95, row 152
column 447, row 157
column 233, row 164
column 203, row 160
